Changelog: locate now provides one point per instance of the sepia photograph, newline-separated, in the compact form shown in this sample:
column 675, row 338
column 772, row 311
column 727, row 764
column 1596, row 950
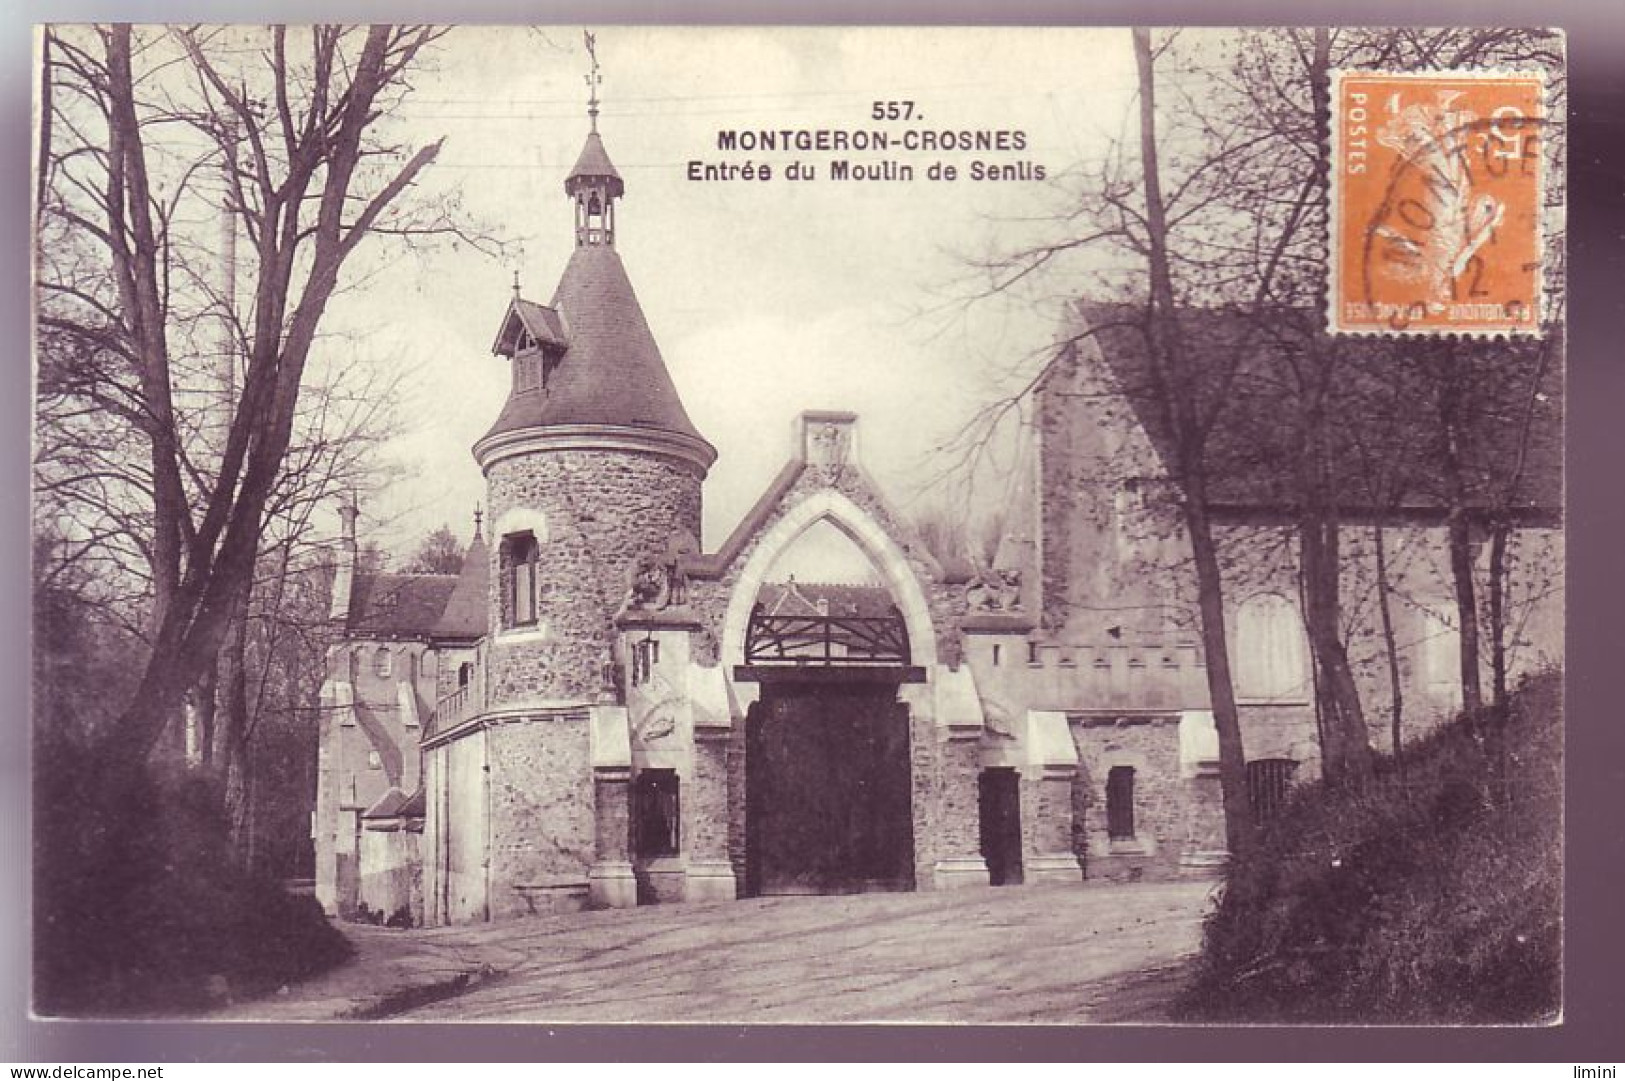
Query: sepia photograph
column 798, row 525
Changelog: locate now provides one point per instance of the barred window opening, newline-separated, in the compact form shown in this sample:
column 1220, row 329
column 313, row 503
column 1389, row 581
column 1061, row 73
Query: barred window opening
column 1268, row 781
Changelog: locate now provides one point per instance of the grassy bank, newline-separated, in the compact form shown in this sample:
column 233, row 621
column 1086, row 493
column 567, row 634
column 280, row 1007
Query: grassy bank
column 1432, row 895
column 141, row 909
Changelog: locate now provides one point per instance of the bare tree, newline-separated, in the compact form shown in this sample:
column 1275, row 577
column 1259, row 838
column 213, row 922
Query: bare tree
column 1227, row 243
column 297, row 118
column 1188, row 427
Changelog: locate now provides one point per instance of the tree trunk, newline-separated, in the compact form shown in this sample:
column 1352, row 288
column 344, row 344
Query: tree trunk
column 1168, row 354
column 1461, row 573
column 205, row 704
column 1459, row 528
column 1497, row 599
column 1238, row 811
column 231, row 753
column 1347, row 756
column 1390, row 643
column 1346, row 746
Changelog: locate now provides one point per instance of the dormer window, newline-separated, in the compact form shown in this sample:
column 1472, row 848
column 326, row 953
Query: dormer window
column 527, row 371
column 532, row 367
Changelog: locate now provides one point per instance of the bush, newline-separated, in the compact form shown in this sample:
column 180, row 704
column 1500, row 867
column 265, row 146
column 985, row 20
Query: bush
column 141, row 908
column 1431, row 895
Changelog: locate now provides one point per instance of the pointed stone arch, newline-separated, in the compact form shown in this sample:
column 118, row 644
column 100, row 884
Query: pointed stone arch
column 860, row 527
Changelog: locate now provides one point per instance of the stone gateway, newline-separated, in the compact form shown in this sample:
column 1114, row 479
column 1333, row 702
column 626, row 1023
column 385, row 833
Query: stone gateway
column 600, row 711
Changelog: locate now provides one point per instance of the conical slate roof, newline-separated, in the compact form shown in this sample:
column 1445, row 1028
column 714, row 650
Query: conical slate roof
column 467, row 609
column 611, row 373
column 593, row 164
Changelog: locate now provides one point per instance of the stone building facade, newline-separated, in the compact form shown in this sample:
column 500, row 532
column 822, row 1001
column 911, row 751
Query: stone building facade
column 598, row 712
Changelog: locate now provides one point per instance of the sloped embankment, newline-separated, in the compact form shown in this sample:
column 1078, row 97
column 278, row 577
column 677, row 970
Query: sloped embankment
column 1433, row 895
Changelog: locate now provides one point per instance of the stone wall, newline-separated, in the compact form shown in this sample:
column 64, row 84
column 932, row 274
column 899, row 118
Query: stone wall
column 594, row 513
column 541, row 813
column 1119, row 626
column 1162, row 804
column 368, row 743
column 391, row 867
column 459, row 814
column 926, row 782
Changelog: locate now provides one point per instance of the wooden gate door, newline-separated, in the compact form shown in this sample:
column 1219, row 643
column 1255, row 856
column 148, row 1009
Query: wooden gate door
column 827, row 790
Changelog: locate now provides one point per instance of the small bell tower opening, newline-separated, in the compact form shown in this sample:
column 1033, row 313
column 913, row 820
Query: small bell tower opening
column 593, row 183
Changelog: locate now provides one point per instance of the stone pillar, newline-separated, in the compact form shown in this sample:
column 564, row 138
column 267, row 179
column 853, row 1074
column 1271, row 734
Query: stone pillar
column 959, row 725
column 347, row 856
column 1053, row 766
column 610, row 881
column 1052, row 858
column 1206, row 847
column 710, row 874
column 959, row 843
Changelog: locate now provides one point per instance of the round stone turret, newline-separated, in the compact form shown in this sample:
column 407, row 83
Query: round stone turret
column 591, row 467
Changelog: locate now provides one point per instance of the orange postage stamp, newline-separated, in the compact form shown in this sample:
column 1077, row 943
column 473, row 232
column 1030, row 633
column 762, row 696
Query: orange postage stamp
column 1437, row 194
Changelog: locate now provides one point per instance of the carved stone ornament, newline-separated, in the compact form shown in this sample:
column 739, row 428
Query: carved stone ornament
column 830, row 447
column 658, row 724
column 995, row 591
column 998, row 721
column 650, row 587
column 679, row 548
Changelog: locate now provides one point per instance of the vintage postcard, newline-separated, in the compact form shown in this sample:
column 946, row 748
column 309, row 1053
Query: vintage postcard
column 800, row 525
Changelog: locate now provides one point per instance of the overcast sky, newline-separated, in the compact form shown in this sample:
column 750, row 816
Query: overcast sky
column 766, row 298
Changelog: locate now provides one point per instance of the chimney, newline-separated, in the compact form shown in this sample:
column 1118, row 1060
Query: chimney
column 344, row 576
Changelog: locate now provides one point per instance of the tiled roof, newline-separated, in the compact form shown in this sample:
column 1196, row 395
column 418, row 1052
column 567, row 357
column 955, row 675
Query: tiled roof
column 397, row 605
column 397, row 804
column 801, row 599
column 467, row 610
column 594, row 163
column 612, row 373
column 388, row 805
column 541, row 322
column 1382, row 396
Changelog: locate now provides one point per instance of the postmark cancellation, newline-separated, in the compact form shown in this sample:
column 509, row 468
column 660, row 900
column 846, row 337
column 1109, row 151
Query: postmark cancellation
column 1436, row 203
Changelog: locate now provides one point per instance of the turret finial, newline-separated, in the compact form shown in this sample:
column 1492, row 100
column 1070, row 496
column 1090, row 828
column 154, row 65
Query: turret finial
column 593, row 78
column 479, row 518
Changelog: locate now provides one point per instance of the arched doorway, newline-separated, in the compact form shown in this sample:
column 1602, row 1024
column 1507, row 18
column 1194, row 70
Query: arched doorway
column 828, row 774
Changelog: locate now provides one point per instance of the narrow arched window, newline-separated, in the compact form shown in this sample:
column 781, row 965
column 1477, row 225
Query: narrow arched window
column 1270, row 651
column 382, row 662
column 519, row 557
